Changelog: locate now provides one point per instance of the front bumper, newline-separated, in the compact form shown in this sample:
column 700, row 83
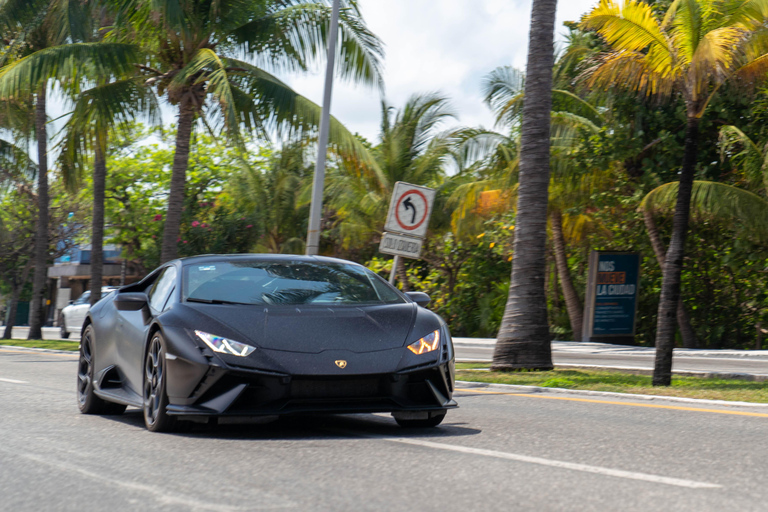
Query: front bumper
column 202, row 384
column 253, row 393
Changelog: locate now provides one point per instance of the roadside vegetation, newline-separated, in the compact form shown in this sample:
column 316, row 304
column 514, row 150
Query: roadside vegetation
column 617, row 382
column 72, row 346
column 234, row 173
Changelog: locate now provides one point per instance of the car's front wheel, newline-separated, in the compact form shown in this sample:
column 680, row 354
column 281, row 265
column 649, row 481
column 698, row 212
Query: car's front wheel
column 155, row 397
column 87, row 400
column 426, row 419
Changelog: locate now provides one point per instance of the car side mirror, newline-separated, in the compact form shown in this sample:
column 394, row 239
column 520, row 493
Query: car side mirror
column 132, row 301
column 420, row 298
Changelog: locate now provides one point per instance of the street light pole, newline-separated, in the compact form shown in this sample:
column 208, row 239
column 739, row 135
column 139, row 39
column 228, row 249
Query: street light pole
column 316, row 208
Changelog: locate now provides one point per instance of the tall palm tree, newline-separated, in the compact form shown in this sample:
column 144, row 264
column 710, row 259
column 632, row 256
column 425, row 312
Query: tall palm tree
column 693, row 51
column 195, row 49
column 411, row 149
column 523, row 339
column 37, row 25
column 571, row 116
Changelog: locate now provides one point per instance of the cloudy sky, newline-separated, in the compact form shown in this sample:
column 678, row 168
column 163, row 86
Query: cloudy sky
column 437, row 45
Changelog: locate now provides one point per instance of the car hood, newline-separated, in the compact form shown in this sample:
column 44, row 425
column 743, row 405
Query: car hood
column 311, row 329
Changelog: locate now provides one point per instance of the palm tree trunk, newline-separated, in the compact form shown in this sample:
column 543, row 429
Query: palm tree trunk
column 683, row 318
column 523, row 340
column 170, row 248
column 673, row 264
column 16, row 287
column 572, row 301
column 97, row 238
column 36, row 310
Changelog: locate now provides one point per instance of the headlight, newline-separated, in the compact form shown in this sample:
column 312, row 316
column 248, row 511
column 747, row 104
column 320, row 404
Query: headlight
column 428, row 343
column 224, row 345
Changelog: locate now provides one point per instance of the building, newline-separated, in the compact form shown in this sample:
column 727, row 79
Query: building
column 70, row 276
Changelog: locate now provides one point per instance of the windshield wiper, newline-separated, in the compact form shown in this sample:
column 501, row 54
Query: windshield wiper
column 218, row 301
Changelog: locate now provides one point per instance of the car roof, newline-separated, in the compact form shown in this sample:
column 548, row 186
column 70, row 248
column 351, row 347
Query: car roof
column 286, row 258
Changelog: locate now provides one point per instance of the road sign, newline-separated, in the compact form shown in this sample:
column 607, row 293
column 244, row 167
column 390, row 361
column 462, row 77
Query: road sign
column 399, row 245
column 410, row 209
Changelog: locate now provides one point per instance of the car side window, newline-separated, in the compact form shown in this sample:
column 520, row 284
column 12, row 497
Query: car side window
column 83, row 299
column 162, row 288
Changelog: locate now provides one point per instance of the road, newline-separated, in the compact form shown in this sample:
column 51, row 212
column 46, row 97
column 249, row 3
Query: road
column 499, row 451
column 753, row 363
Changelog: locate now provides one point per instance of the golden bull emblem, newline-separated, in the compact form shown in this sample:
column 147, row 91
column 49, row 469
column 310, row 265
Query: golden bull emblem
column 341, row 363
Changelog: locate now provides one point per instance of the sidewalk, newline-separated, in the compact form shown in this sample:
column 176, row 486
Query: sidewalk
column 49, row 333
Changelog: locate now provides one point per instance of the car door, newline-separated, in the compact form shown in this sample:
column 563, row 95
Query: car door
column 75, row 317
column 133, row 326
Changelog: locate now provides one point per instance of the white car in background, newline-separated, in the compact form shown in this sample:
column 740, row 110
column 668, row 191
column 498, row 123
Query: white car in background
column 73, row 316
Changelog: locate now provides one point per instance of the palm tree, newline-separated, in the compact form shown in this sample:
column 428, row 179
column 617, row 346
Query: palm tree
column 97, row 113
column 494, row 166
column 17, row 229
column 37, row 25
column 742, row 210
column 194, row 49
column 523, row 339
column 411, row 149
column 571, row 115
column 693, row 51
column 273, row 195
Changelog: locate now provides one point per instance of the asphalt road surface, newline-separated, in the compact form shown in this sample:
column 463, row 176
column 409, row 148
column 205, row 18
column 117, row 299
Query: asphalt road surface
column 568, row 353
column 499, row 451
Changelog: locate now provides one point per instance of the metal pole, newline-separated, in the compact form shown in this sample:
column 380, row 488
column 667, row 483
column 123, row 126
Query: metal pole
column 316, row 209
column 392, row 274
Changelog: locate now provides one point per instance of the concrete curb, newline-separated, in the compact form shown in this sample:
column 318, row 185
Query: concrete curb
column 608, row 394
column 32, row 349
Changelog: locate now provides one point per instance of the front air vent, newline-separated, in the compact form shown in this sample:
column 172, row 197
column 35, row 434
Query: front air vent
column 370, row 387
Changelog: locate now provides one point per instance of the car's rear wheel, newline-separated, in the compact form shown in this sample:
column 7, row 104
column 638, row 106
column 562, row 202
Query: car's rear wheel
column 87, row 400
column 155, row 397
column 411, row 420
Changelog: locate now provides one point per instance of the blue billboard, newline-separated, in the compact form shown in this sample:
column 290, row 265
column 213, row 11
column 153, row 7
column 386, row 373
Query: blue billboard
column 611, row 304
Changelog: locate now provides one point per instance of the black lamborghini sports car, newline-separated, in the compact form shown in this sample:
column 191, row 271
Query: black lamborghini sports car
column 251, row 335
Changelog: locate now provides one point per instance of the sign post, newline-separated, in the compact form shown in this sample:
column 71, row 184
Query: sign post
column 407, row 221
column 610, row 308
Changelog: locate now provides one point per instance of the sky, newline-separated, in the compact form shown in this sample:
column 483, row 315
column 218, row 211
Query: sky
column 444, row 46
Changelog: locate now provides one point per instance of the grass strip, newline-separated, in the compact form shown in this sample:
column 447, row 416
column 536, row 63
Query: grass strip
column 617, row 382
column 72, row 346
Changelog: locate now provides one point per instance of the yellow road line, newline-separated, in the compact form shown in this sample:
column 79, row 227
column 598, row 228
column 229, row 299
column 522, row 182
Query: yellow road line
column 630, row 404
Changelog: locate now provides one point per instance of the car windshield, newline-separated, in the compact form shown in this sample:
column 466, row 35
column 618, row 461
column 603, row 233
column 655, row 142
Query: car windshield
column 286, row 283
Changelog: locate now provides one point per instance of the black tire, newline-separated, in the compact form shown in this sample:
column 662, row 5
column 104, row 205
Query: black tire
column 434, row 420
column 87, row 400
column 156, row 417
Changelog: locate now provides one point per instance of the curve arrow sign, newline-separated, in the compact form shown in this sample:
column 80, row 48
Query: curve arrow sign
column 410, row 206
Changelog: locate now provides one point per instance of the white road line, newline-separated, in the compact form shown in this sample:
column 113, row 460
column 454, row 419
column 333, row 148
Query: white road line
column 14, row 381
column 547, row 462
column 160, row 494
